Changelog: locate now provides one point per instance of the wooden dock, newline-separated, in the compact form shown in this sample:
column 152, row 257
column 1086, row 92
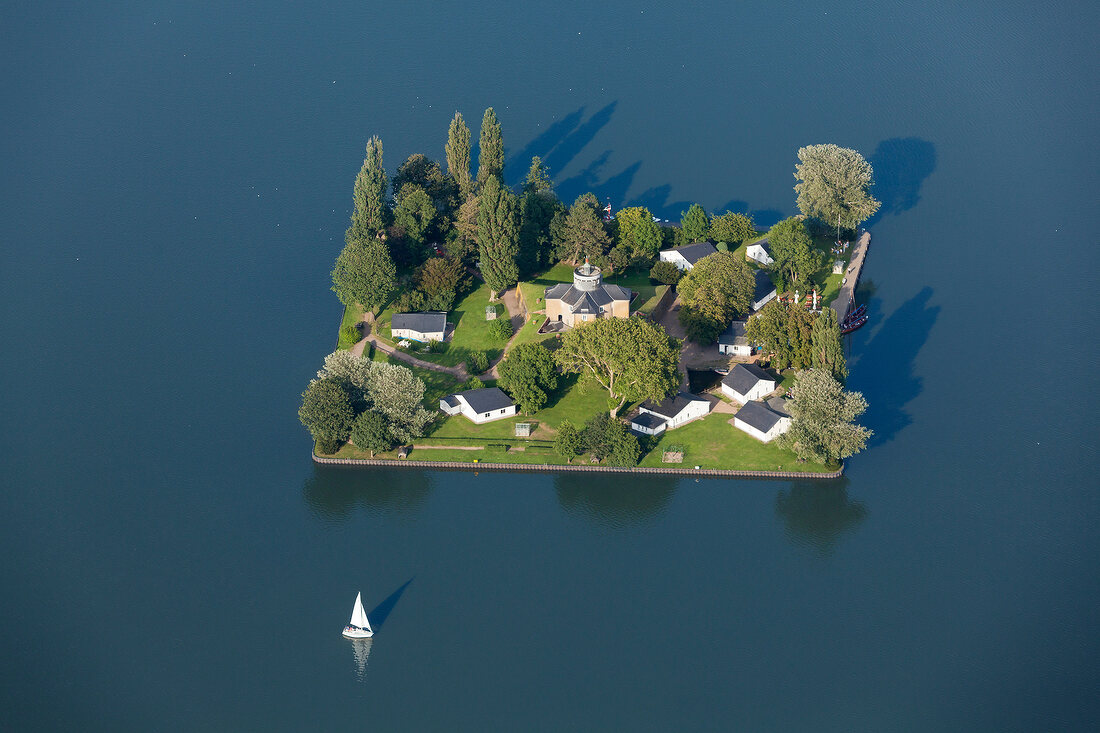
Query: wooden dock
column 844, row 301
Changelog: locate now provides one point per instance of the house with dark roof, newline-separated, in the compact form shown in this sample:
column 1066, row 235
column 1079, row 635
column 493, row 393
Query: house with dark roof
column 747, row 382
column 669, row 413
column 764, row 290
column 762, row 423
column 733, row 342
column 759, row 252
column 429, row 326
column 587, row 298
column 685, row 257
column 479, row 405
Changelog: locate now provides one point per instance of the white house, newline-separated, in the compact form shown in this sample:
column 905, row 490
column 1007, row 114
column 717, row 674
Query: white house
column 733, row 341
column 747, row 382
column 479, row 405
column 430, row 326
column 761, row 423
column 685, row 257
column 759, row 252
column 669, row 413
column 765, row 290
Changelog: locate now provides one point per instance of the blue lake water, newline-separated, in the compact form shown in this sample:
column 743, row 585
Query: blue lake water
column 176, row 183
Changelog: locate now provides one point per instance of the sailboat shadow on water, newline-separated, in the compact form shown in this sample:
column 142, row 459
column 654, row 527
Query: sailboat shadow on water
column 382, row 611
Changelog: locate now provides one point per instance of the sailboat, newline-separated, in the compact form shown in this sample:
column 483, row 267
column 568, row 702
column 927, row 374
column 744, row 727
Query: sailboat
column 359, row 627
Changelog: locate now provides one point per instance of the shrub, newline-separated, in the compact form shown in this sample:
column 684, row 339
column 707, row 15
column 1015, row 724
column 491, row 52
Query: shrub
column 349, row 334
column 665, row 273
column 477, row 362
column 474, row 383
column 501, row 329
column 722, row 247
column 327, row 446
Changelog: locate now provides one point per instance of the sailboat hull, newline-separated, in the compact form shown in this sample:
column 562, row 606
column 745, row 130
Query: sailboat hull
column 351, row 632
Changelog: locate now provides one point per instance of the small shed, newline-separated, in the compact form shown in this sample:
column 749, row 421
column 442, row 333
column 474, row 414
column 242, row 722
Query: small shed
column 647, row 423
column 523, row 429
column 403, row 451
column 747, row 382
column 838, row 267
column 491, row 312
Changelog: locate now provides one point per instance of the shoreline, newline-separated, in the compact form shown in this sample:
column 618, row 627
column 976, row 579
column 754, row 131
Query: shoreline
column 550, row 468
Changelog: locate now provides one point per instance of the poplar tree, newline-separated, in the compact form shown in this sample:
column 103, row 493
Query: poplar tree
column 369, row 216
column 364, row 273
column 828, row 353
column 822, row 415
column 834, row 185
column 490, row 156
column 497, row 235
column 458, row 156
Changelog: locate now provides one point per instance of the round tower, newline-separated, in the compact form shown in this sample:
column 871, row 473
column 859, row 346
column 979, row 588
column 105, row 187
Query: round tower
column 587, row 277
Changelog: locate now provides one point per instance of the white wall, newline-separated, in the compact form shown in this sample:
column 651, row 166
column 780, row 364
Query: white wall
column 734, row 350
column 675, row 258
column 649, row 431
column 758, row 253
column 408, row 333
column 480, row 418
column 778, row 429
column 758, row 391
column 692, row 411
column 761, row 303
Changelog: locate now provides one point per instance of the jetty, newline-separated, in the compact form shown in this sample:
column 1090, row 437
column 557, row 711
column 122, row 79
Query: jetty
column 846, row 298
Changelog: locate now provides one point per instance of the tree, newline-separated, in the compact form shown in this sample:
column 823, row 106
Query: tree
column 370, row 432
column 424, row 172
column 732, row 228
column 369, row 216
column 352, row 372
column 583, row 233
column 490, row 156
column 821, row 419
column 538, row 211
column 695, row 224
column 717, row 289
column 529, row 373
column 497, row 235
column 501, row 329
column 639, row 235
column 458, row 156
column 800, row 335
column 397, row 394
column 364, row 273
column 632, row 358
column 783, row 331
column 834, row 185
column 568, row 443
column 828, row 352
column 464, row 245
column 665, row 273
column 327, row 414
column 440, row 279
column 608, row 440
column 415, row 212
column 795, row 259
column 538, row 177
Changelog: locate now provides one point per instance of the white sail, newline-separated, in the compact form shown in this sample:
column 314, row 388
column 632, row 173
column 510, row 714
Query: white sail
column 358, row 615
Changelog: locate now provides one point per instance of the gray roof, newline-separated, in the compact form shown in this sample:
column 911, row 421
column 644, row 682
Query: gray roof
column 734, row 335
column 744, row 377
column 586, row 301
column 486, row 399
column 758, row 416
column 778, row 405
column 764, row 286
column 430, row 322
column 672, row 406
column 648, row 420
column 695, row 251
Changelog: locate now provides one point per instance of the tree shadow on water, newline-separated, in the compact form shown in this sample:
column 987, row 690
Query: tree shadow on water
column 614, row 500
column 334, row 492
column 816, row 513
column 885, row 363
column 900, row 164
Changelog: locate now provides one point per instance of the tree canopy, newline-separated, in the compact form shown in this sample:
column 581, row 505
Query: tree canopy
column 632, row 358
column 784, row 333
column 568, row 443
column 529, row 374
column 609, row 441
column 719, row 288
column 796, row 261
column 415, row 213
column 538, row 209
column 828, row 350
column 327, row 413
column 440, row 279
column 695, row 224
column 732, row 228
column 490, row 156
column 364, row 273
column 538, row 177
column 639, row 237
column 822, row 414
column 369, row 216
column 370, row 432
column 498, row 235
column 583, row 233
column 834, row 185
column 458, row 156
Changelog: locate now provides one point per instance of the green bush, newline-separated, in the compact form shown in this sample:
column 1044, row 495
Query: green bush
column 499, row 446
column 349, row 334
column 665, row 273
column 501, row 329
column 327, row 446
column 474, row 383
column 477, row 362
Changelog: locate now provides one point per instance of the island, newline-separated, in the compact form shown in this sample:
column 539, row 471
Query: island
column 492, row 328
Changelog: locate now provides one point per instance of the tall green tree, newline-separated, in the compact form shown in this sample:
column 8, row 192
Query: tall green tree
column 719, row 288
column 529, row 374
column 632, row 358
column 828, row 351
column 424, row 172
column 767, row 330
column 608, row 440
column 364, row 274
column 568, row 443
column 490, row 155
column 415, row 213
column 796, row 261
column 535, row 244
column 326, row 413
column 834, row 185
column 458, row 156
column 822, row 414
column 370, row 215
column 583, row 232
column 732, row 228
column 398, row 395
column 538, row 177
column 638, row 235
column 370, row 432
column 695, row 224
column 441, row 279
column 800, row 324
column 497, row 235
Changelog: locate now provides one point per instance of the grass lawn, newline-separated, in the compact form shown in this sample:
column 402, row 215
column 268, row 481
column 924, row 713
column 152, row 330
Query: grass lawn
column 713, row 443
column 471, row 332
column 350, row 318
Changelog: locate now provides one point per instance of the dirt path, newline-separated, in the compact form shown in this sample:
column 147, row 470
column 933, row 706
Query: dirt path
column 518, row 316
